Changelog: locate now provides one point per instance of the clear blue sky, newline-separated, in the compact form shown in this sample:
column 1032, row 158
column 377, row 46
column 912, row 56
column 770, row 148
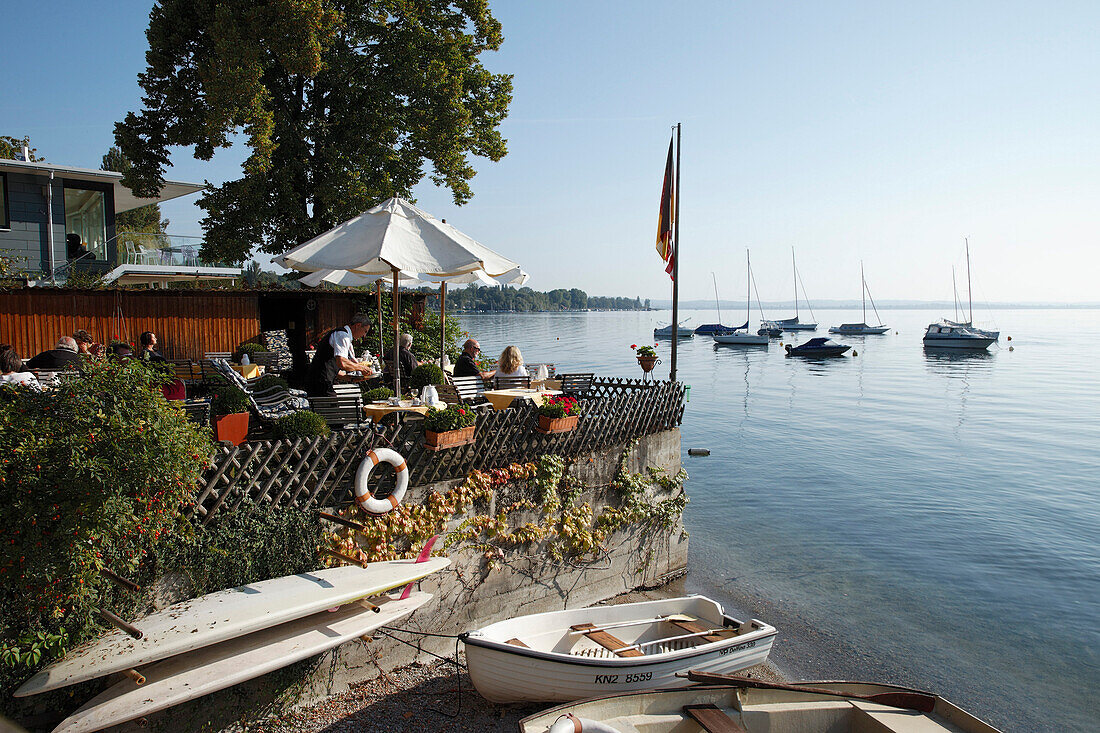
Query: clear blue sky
column 881, row 131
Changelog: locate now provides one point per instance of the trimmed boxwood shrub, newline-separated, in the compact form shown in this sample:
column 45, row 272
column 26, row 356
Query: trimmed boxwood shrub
column 229, row 400
column 378, row 393
column 301, row 424
column 268, row 381
column 426, row 374
column 249, row 348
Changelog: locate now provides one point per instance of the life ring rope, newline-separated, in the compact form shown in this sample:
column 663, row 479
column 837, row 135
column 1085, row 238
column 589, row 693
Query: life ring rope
column 367, row 502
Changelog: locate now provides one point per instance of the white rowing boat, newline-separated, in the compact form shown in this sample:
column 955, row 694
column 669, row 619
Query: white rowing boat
column 574, row 654
column 752, row 706
column 227, row 614
column 212, row 668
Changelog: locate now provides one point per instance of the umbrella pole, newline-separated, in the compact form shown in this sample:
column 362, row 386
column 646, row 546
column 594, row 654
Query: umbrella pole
column 378, row 304
column 396, row 336
column 442, row 320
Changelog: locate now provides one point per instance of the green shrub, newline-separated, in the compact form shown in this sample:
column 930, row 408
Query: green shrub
column 452, row 418
column 268, row 381
column 301, row 424
column 229, row 400
column 426, row 374
column 249, row 348
column 92, row 474
column 378, row 393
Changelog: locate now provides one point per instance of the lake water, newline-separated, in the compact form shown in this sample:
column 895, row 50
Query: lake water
column 899, row 516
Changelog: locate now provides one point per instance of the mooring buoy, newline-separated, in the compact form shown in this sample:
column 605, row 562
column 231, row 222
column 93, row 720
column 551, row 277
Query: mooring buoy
column 698, row 452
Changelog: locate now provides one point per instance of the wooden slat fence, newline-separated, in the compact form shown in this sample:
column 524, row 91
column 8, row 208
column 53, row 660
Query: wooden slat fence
column 305, row 473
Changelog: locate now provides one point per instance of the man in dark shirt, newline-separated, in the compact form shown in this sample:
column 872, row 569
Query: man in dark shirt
column 64, row 355
column 466, row 366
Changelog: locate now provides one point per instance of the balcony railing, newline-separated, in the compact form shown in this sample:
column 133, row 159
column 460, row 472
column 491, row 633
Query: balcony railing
column 166, row 250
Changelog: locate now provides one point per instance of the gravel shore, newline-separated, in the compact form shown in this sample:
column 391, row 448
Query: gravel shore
column 431, row 697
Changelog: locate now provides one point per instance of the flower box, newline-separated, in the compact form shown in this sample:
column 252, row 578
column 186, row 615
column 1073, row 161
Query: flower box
column 232, row 428
column 448, row 439
column 647, row 363
column 549, row 425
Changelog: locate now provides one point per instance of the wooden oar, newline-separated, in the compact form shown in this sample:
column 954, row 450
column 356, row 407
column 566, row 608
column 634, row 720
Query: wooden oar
column 673, row 638
column 621, row 624
column 919, row 701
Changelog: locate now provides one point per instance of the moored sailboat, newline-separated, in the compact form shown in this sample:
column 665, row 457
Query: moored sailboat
column 710, row 328
column 959, row 335
column 741, row 336
column 862, row 328
column 794, row 324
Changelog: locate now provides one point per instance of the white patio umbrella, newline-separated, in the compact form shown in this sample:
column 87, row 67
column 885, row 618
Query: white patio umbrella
column 391, row 238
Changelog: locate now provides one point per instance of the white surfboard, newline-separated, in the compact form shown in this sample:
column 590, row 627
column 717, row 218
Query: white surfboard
column 212, row 668
column 227, row 614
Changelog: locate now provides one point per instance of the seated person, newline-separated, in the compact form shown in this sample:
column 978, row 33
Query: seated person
column 87, row 345
column 64, row 354
column 511, row 364
column 405, row 357
column 149, row 353
column 466, row 366
column 11, row 370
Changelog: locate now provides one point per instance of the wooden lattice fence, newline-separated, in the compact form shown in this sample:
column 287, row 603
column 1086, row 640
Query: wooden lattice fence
column 318, row 472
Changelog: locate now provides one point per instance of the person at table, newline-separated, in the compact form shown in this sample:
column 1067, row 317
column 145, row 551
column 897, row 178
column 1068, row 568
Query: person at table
column 511, row 364
column 405, row 357
column 11, row 370
column 336, row 353
column 86, row 345
column 62, row 356
column 466, row 366
column 149, row 353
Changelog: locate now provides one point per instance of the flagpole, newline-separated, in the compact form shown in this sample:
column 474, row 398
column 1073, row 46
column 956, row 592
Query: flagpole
column 676, row 260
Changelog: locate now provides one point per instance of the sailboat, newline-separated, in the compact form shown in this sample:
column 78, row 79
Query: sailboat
column 707, row 328
column 862, row 328
column 793, row 324
column 970, row 295
column 740, row 336
column 955, row 335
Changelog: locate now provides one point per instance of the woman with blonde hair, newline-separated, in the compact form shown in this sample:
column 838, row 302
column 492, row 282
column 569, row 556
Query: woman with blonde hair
column 511, row 363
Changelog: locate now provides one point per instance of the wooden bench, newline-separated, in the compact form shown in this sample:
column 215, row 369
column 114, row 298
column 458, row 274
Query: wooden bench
column 694, row 627
column 712, row 719
column 607, row 641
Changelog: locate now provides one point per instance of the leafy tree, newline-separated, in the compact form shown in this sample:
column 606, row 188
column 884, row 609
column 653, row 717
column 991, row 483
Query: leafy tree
column 142, row 219
column 9, row 146
column 342, row 104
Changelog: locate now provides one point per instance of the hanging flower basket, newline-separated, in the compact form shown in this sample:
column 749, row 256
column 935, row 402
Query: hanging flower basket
column 548, row 425
column 434, row 441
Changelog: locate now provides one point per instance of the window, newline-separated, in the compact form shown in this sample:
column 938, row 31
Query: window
column 5, row 220
column 86, row 217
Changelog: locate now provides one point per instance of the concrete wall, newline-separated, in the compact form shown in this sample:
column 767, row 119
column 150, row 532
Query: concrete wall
column 468, row 597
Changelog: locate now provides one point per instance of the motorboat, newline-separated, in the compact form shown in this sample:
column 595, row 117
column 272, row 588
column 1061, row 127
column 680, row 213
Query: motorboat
column 665, row 332
column 861, row 328
column 818, row 347
column 731, row 704
column 771, row 331
column 794, row 324
column 741, row 336
column 948, row 335
column 575, row 654
column 995, row 335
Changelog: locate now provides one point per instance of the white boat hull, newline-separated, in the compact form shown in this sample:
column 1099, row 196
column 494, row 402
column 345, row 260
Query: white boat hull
column 741, row 338
column 976, row 343
column 203, row 671
column 554, row 668
column 859, row 330
column 227, row 614
column 666, row 333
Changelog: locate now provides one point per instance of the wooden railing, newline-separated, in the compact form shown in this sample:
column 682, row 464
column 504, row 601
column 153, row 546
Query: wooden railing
column 317, row 472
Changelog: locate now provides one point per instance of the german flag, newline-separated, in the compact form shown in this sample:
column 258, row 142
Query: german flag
column 665, row 219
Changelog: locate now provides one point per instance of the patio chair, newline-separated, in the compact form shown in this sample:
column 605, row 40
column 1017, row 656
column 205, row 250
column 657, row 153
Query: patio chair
column 471, row 392
column 187, row 371
column 212, row 355
column 511, row 382
column 269, row 404
column 198, row 411
column 578, row 385
column 343, row 411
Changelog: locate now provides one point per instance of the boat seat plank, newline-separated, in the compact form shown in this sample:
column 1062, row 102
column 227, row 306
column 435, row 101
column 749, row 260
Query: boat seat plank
column 607, row 641
column 693, row 627
column 712, row 719
column 517, row 642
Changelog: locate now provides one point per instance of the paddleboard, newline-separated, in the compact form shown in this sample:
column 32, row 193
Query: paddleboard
column 212, row 668
column 227, row 614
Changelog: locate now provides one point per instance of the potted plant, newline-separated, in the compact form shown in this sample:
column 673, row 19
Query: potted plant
column 448, row 428
column 647, row 357
column 558, row 414
column 229, row 407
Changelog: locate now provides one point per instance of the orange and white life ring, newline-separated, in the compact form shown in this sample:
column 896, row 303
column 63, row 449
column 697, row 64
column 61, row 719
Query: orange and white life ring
column 363, row 497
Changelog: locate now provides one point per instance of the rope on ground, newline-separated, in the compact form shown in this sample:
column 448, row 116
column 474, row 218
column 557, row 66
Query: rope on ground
column 458, row 666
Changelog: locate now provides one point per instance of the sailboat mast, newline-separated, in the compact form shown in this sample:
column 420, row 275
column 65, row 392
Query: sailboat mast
column 863, row 291
column 717, row 306
column 794, row 269
column 969, row 292
column 748, row 289
column 955, row 292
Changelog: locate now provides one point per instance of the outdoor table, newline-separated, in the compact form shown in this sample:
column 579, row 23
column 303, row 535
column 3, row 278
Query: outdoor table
column 550, row 383
column 377, row 411
column 248, row 371
column 502, row 398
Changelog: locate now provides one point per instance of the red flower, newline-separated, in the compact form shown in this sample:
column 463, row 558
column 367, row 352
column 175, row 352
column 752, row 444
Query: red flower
column 634, row 346
column 461, row 411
